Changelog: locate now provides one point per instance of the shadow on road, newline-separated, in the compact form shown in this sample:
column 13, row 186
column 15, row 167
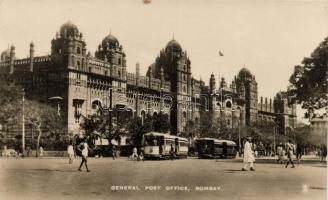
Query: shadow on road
column 232, row 170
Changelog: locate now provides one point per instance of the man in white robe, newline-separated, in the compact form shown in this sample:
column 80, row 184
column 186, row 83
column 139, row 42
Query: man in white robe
column 248, row 155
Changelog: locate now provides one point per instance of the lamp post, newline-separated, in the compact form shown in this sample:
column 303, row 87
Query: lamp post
column 57, row 99
column 274, row 138
column 23, row 122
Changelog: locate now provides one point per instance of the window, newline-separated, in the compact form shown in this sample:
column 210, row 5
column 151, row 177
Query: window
column 78, row 50
column 119, row 74
column 106, row 73
column 184, row 77
column 96, row 105
column 119, row 61
column 78, row 64
column 78, row 76
column 228, row 104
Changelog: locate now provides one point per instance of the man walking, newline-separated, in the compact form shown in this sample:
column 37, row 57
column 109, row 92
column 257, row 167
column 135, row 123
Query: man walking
column 280, row 153
column 290, row 153
column 70, row 151
column 298, row 153
column 84, row 148
column 248, row 155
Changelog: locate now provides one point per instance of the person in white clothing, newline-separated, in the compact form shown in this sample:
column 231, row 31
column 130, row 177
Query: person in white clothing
column 84, row 148
column 70, row 152
column 248, row 155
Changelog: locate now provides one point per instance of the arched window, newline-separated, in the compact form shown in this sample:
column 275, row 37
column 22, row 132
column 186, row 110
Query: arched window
column 143, row 116
column 96, row 105
column 228, row 104
column 78, row 50
column 78, row 64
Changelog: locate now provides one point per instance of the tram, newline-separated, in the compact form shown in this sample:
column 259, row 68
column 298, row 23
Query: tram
column 160, row 145
column 214, row 148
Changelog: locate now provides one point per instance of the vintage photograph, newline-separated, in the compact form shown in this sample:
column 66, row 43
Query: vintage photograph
column 158, row 99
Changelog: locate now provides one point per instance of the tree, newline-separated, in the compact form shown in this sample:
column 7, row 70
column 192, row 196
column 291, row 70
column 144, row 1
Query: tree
column 98, row 123
column 161, row 122
column 137, row 129
column 40, row 116
column 43, row 117
column 309, row 82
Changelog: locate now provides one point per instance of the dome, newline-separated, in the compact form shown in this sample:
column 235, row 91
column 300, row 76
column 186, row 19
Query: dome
column 68, row 29
column 244, row 72
column 5, row 55
column 173, row 44
column 112, row 40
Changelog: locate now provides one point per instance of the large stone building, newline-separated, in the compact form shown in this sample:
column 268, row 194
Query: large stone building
column 78, row 83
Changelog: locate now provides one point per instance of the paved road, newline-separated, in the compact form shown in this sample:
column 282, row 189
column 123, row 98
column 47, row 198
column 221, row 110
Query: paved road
column 53, row 178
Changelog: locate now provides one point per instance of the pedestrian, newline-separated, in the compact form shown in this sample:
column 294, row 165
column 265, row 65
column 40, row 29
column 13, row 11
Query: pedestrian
column 248, row 155
column 299, row 153
column 134, row 153
column 280, row 153
column 84, row 148
column 172, row 151
column 290, row 153
column 41, row 151
column 113, row 152
column 70, row 151
column 323, row 153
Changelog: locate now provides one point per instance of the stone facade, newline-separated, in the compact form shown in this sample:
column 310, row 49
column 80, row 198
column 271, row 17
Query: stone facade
column 78, row 83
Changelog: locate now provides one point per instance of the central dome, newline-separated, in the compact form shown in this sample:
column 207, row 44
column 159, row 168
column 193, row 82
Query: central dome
column 244, row 72
column 110, row 39
column 173, row 44
column 68, row 29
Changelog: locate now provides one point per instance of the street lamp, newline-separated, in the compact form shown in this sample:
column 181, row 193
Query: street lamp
column 23, row 122
column 57, row 99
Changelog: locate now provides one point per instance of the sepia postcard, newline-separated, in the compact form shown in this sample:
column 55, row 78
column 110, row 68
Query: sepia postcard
column 158, row 99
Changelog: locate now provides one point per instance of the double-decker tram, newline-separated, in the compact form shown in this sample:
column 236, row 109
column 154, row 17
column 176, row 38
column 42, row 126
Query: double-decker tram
column 214, row 148
column 160, row 145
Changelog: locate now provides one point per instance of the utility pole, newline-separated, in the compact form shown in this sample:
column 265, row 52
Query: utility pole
column 274, row 139
column 23, row 123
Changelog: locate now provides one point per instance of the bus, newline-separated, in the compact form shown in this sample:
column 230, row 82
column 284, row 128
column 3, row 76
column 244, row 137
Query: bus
column 160, row 145
column 214, row 148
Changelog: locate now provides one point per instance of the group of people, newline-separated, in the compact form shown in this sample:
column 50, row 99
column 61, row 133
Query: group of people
column 289, row 150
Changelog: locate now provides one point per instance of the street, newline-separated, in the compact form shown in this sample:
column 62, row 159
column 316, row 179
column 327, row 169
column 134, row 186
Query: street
column 54, row 178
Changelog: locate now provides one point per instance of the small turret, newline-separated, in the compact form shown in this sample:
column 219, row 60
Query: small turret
column 12, row 59
column 212, row 84
column 162, row 77
column 31, row 56
column 137, row 73
column 150, row 76
column 223, row 84
column 233, row 86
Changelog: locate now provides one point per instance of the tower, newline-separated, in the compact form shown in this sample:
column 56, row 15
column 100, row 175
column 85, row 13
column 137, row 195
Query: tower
column 246, row 86
column 176, row 69
column 70, row 44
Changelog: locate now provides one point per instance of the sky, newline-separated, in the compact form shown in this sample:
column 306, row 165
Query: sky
column 268, row 37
